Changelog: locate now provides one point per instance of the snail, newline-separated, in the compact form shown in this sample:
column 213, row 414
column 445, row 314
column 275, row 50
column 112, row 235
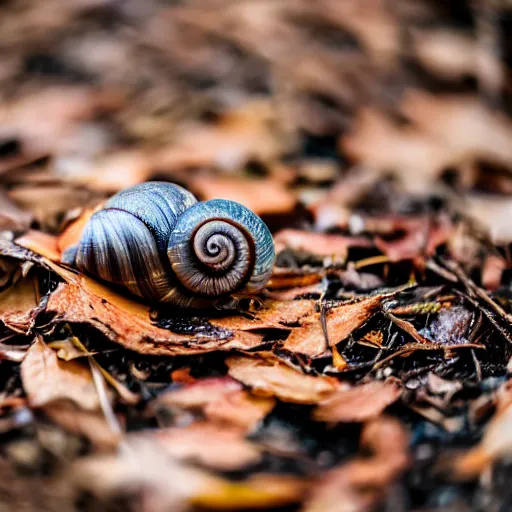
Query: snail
column 156, row 240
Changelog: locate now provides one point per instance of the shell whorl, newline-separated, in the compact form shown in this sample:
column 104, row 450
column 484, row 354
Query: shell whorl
column 156, row 240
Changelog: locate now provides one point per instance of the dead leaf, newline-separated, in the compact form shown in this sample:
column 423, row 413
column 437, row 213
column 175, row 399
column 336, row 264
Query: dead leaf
column 272, row 196
column 283, row 278
column 495, row 444
column 415, row 158
column 241, row 135
column 46, row 378
column 492, row 214
column 18, row 305
column 273, row 314
column 240, row 409
column 41, row 243
column 267, row 376
column 198, row 394
column 128, row 323
column 340, row 322
column 492, row 272
column 319, row 244
column 359, row 403
column 90, row 424
column 221, row 399
column 225, row 449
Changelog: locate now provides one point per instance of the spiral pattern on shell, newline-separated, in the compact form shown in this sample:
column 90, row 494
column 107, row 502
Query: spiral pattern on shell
column 159, row 243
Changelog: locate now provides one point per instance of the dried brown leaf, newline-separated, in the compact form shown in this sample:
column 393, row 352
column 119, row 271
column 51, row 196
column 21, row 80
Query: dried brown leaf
column 463, row 124
column 128, row 322
column 276, row 314
column 319, row 244
column 46, row 378
column 90, row 424
column 225, row 449
column 413, row 156
column 18, row 305
column 221, row 399
column 454, row 55
column 267, row 376
column 272, row 197
column 359, row 403
column 12, row 217
column 240, row 409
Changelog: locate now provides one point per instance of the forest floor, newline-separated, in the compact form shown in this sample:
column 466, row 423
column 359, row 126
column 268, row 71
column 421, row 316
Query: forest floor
column 374, row 138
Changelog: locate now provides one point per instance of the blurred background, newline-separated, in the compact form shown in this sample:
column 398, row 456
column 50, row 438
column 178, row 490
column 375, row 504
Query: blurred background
column 296, row 108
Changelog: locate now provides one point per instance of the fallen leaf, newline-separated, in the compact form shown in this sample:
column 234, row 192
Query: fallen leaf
column 415, row 158
column 90, row 424
column 318, row 244
column 19, row 305
column 240, row 409
column 492, row 214
column 225, row 449
column 240, row 135
column 340, row 321
column 273, row 314
column 46, row 378
column 128, row 322
column 284, row 278
column 358, row 403
column 221, row 399
column 40, row 243
column 198, row 394
column 267, row 376
column 272, row 197
column 495, row 444
column 492, row 272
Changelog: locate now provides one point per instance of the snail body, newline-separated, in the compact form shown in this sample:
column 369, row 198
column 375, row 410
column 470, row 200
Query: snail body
column 156, row 240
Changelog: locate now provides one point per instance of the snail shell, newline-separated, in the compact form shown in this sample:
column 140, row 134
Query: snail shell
column 157, row 241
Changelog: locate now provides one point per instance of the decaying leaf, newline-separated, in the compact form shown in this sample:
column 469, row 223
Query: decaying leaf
column 319, row 244
column 18, row 305
column 210, row 445
column 221, row 399
column 128, row 323
column 359, row 403
column 340, row 322
column 267, row 376
column 46, row 379
column 272, row 197
column 90, row 424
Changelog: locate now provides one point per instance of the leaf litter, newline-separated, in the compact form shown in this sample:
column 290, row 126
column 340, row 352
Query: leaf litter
column 373, row 371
